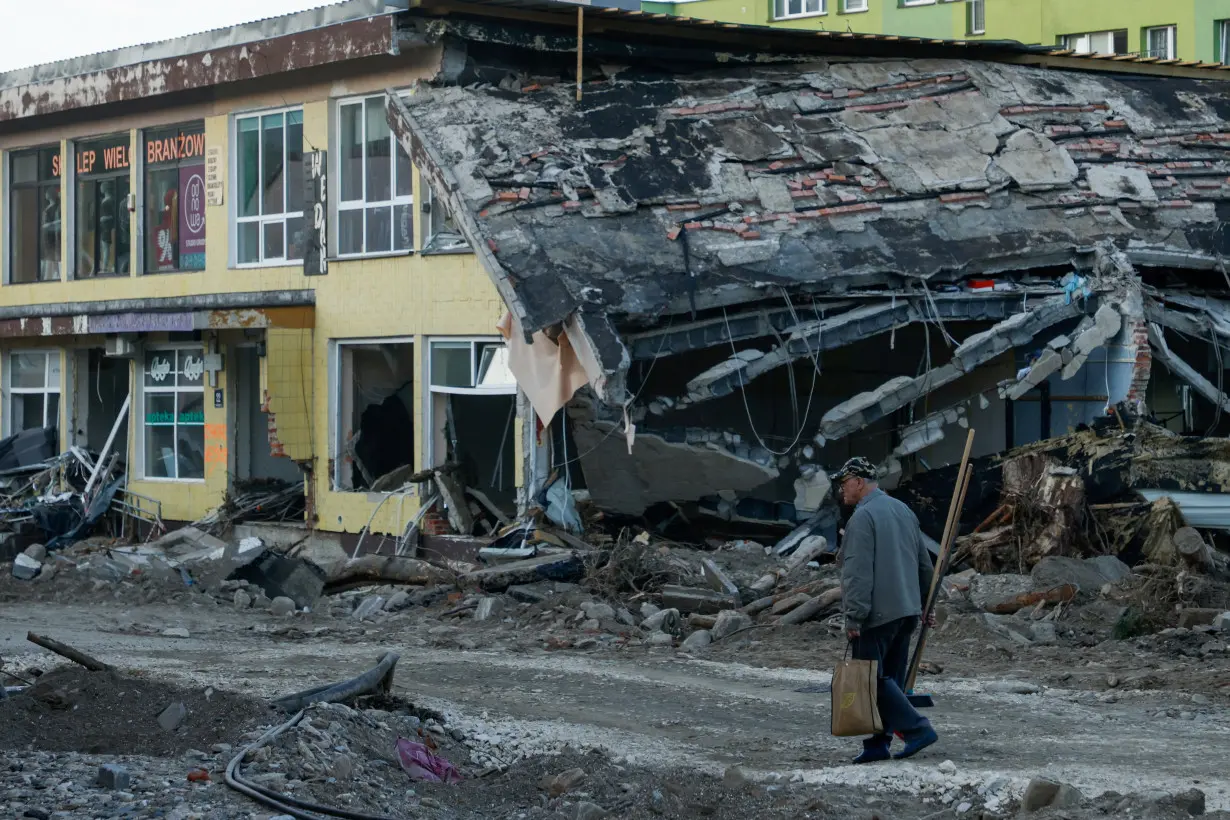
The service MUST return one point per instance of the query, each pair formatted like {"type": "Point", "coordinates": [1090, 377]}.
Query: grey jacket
{"type": "Point", "coordinates": [886, 568]}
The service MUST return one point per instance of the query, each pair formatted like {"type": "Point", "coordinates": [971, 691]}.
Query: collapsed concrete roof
{"type": "Point", "coordinates": [671, 189]}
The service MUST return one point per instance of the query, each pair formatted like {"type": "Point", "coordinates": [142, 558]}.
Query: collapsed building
{"type": "Point", "coordinates": [733, 261]}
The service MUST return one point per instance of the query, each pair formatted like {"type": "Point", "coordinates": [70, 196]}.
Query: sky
{"type": "Point", "coordinates": [44, 31]}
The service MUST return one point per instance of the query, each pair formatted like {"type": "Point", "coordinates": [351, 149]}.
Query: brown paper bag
{"type": "Point", "coordinates": [856, 709]}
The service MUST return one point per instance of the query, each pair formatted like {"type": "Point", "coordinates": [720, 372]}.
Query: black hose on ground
{"type": "Point", "coordinates": [293, 806]}
{"type": "Point", "coordinates": [379, 677]}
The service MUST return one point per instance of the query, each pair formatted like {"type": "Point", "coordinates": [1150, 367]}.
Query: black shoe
{"type": "Point", "coordinates": [924, 739]}
{"type": "Point", "coordinates": [873, 755]}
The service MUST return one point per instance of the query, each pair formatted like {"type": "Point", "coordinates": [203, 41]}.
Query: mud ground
{"type": "Point", "coordinates": [1145, 717]}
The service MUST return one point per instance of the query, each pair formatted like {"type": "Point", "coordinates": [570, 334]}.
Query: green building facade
{"type": "Point", "coordinates": [1176, 30]}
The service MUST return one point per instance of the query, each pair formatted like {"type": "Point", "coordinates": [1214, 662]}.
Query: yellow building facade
{"type": "Point", "coordinates": [156, 223]}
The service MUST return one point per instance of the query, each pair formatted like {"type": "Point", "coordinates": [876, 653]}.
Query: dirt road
{"type": "Point", "coordinates": [658, 708]}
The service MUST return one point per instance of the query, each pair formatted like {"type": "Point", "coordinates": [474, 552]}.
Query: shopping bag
{"type": "Point", "coordinates": [856, 710]}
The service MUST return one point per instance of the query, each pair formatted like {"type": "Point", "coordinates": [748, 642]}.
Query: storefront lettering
{"type": "Point", "coordinates": [115, 158]}
{"type": "Point", "coordinates": [171, 149]}
{"type": "Point", "coordinates": [169, 418]}
{"type": "Point", "coordinates": [55, 165]}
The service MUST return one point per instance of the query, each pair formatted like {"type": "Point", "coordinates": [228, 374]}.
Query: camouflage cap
{"type": "Point", "coordinates": [857, 467]}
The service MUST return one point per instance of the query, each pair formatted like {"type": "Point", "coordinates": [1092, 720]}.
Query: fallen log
{"type": "Point", "coordinates": [698, 621]}
{"type": "Point", "coordinates": [1192, 548]}
{"type": "Point", "coordinates": [66, 651]}
{"type": "Point", "coordinates": [1058, 595]}
{"type": "Point", "coordinates": [386, 569]}
{"type": "Point", "coordinates": [805, 612]}
{"type": "Point", "coordinates": [759, 605]}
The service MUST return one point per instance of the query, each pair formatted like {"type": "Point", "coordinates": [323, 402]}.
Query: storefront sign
{"type": "Point", "coordinates": [192, 217]}
{"type": "Point", "coordinates": [175, 148]}
{"type": "Point", "coordinates": [213, 176]}
{"type": "Point", "coordinates": [218, 399]}
{"type": "Point", "coordinates": [104, 156]}
{"type": "Point", "coordinates": [140, 322]}
{"type": "Point", "coordinates": [315, 193]}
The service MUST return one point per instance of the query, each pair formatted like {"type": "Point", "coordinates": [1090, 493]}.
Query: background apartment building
{"type": "Point", "coordinates": [217, 241]}
{"type": "Point", "coordinates": [1185, 30]}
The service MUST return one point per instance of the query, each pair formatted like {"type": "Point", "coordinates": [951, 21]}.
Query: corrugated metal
{"type": "Point", "coordinates": [1207, 511]}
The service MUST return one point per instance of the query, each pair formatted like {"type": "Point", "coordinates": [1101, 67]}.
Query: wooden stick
{"type": "Point", "coordinates": [66, 651]}
{"type": "Point", "coordinates": [954, 512]}
{"type": "Point", "coordinates": [580, 46]}
{"type": "Point", "coordinates": [941, 566]}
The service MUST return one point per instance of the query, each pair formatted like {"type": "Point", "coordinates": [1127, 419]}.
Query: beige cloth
{"type": "Point", "coordinates": [548, 373]}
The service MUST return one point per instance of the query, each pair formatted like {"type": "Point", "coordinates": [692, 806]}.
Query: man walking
{"type": "Point", "coordinates": [885, 578]}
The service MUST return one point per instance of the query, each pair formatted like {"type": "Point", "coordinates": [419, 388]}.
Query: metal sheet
{"type": "Point", "coordinates": [1206, 511]}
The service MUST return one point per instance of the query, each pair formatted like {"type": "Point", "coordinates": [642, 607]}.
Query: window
{"type": "Point", "coordinates": [1159, 42]}
{"type": "Point", "coordinates": [1223, 42]}
{"type": "Point", "coordinates": [175, 199]}
{"type": "Point", "coordinates": [103, 246]}
{"type": "Point", "coordinates": [785, 9]}
{"type": "Point", "coordinates": [375, 209]}
{"type": "Point", "coordinates": [33, 382]}
{"type": "Point", "coordinates": [471, 411]}
{"type": "Point", "coordinates": [976, 16]}
{"type": "Point", "coordinates": [35, 221]}
{"type": "Point", "coordinates": [852, 6]}
{"type": "Point", "coordinates": [1097, 42]}
{"type": "Point", "coordinates": [269, 193]}
{"type": "Point", "coordinates": [173, 390]}
{"type": "Point", "coordinates": [375, 401]}
{"type": "Point", "coordinates": [918, 2]}
{"type": "Point", "coordinates": [441, 232]}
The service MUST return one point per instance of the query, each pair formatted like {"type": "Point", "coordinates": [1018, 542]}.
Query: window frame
{"type": "Point", "coordinates": [847, 9]}
{"type": "Point", "coordinates": [974, 9]}
{"type": "Point", "coordinates": [77, 200]}
{"type": "Point", "coordinates": [46, 390]}
{"type": "Point", "coordinates": [143, 390]}
{"type": "Point", "coordinates": [338, 205]}
{"type": "Point", "coordinates": [144, 168]}
{"type": "Point", "coordinates": [784, 5]}
{"type": "Point", "coordinates": [428, 229]}
{"type": "Point", "coordinates": [908, 3]}
{"type": "Point", "coordinates": [431, 389]}
{"type": "Point", "coordinates": [1171, 40]}
{"type": "Point", "coordinates": [262, 219]}
{"type": "Point", "coordinates": [1223, 44]}
{"type": "Point", "coordinates": [337, 389]}
{"type": "Point", "coordinates": [10, 188]}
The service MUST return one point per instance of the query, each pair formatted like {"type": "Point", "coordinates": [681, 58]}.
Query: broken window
{"type": "Point", "coordinates": [103, 245]}
{"type": "Point", "coordinates": [785, 9]}
{"type": "Point", "coordinates": [175, 199]}
{"type": "Point", "coordinates": [32, 382]}
{"type": "Point", "coordinates": [269, 190]}
{"type": "Point", "coordinates": [174, 413]}
{"type": "Point", "coordinates": [440, 231]}
{"type": "Point", "coordinates": [34, 227]}
{"type": "Point", "coordinates": [375, 428]}
{"type": "Point", "coordinates": [376, 206]}
{"type": "Point", "coordinates": [471, 412]}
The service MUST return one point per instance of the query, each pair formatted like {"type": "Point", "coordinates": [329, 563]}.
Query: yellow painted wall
{"type": "Point", "coordinates": [402, 296]}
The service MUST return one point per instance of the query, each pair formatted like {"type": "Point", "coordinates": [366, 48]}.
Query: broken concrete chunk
{"type": "Point", "coordinates": [1036, 163]}
{"type": "Point", "coordinates": [697, 641]}
{"type": "Point", "coordinates": [811, 490]}
{"type": "Point", "coordinates": [749, 140]}
{"type": "Point", "coordinates": [1044, 794]}
{"type": "Point", "coordinates": [690, 599]}
{"type": "Point", "coordinates": [1116, 182]}
{"type": "Point", "coordinates": [113, 777]}
{"type": "Point", "coordinates": [717, 579]}
{"type": "Point", "coordinates": [278, 576]}
{"type": "Point", "coordinates": [1088, 575]}
{"type": "Point", "coordinates": [173, 717]}
{"type": "Point", "coordinates": [281, 606]}
{"type": "Point", "coordinates": [664, 620]}
{"type": "Point", "coordinates": [774, 194]}
{"type": "Point", "coordinates": [808, 550]}
{"type": "Point", "coordinates": [728, 623]}
{"type": "Point", "coordinates": [368, 608]}
{"type": "Point", "coordinates": [598, 610]}
{"type": "Point", "coordinates": [26, 568]}
{"type": "Point", "coordinates": [489, 609]}
{"type": "Point", "coordinates": [36, 551]}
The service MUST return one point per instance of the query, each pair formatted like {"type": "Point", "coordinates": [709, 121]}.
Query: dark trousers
{"type": "Point", "coordinates": [889, 645]}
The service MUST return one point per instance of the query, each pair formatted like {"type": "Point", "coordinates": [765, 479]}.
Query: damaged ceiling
{"type": "Point", "coordinates": [669, 190]}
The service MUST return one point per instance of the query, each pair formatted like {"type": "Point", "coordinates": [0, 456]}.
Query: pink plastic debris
{"type": "Point", "coordinates": [422, 764]}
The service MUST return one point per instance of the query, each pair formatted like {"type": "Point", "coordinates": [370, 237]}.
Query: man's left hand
{"type": "Point", "coordinates": [852, 634]}
{"type": "Point", "coordinates": [931, 619]}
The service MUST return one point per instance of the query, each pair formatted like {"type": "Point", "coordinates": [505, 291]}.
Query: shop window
{"type": "Point", "coordinates": [101, 207]}
{"type": "Point", "coordinates": [173, 391]}
{"type": "Point", "coordinates": [34, 223]}
{"type": "Point", "coordinates": [376, 414]}
{"type": "Point", "coordinates": [174, 200]}
{"type": "Point", "coordinates": [440, 231]}
{"type": "Point", "coordinates": [269, 187]}
{"type": "Point", "coordinates": [375, 207]}
{"type": "Point", "coordinates": [32, 379]}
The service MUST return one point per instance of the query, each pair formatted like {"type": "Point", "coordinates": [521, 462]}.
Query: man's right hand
{"type": "Point", "coordinates": [852, 634]}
